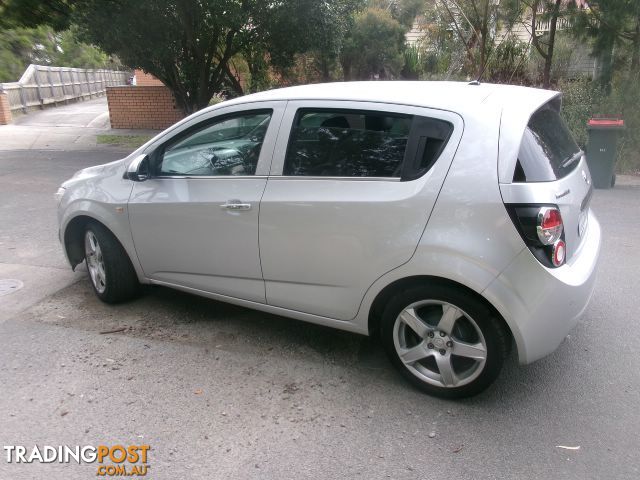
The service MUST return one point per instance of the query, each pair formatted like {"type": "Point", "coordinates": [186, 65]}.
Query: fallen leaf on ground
{"type": "Point", "coordinates": [458, 449]}
{"type": "Point", "coordinates": [198, 391]}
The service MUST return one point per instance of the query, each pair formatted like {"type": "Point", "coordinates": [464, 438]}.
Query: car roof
{"type": "Point", "coordinates": [459, 97]}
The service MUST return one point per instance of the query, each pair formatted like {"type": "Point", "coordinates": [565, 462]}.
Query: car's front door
{"type": "Point", "coordinates": [352, 187]}
{"type": "Point", "coordinates": [195, 220]}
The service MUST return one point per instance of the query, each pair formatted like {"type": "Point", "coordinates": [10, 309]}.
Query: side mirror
{"type": "Point", "coordinates": [138, 169]}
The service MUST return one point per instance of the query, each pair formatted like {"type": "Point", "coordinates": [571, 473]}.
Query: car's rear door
{"type": "Point", "coordinates": [350, 192]}
{"type": "Point", "coordinates": [195, 221]}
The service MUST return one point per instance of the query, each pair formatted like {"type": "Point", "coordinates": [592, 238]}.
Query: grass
{"type": "Point", "coordinates": [133, 141]}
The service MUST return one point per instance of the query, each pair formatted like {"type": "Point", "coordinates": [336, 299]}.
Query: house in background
{"type": "Point", "coordinates": [579, 64]}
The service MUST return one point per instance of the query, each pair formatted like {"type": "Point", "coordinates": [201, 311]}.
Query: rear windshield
{"type": "Point", "coordinates": [548, 151]}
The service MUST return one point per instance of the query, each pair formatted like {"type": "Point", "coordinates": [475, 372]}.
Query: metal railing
{"type": "Point", "coordinates": [545, 25]}
{"type": "Point", "coordinates": [42, 85]}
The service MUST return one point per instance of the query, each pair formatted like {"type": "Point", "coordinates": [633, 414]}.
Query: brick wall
{"type": "Point", "coordinates": [152, 107]}
{"type": "Point", "coordinates": [144, 79]}
{"type": "Point", "coordinates": [5, 109]}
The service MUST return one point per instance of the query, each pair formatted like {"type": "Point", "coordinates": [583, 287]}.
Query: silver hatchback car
{"type": "Point", "coordinates": [451, 219]}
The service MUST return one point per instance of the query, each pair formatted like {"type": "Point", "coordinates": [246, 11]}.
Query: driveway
{"type": "Point", "coordinates": [221, 392]}
{"type": "Point", "coordinates": [62, 128]}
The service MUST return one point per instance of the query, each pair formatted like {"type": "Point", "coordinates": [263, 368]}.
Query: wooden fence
{"type": "Point", "coordinates": [42, 85]}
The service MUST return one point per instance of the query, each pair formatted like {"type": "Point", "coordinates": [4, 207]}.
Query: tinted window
{"type": "Point", "coordinates": [343, 143]}
{"type": "Point", "coordinates": [228, 146]}
{"type": "Point", "coordinates": [428, 138]}
{"type": "Point", "coordinates": [547, 149]}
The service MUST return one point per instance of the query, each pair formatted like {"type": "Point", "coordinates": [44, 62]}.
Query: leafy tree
{"type": "Point", "coordinates": [328, 34]}
{"type": "Point", "coordinates": [71, 52]}
{"type": "Point", "coordinates": [473, 23]}
{"type": "Point", "coordinates": [507, 62]}
{"type": "Point", "coordinates": [612, 23]}
{"type": "Point", "coordinates": [18, 48]}
{"type": "Point", "coordinates": [21, 46]}
{"type": "Point", "coordinates": [198, 48]}
{"type": "Point", "coordinates": [190, 44]}
{"type": "Point", "coordinates": [404, 11]}
{"type": "Point", "coordinates": [34, 13]}
{"type": "Point", "coordinates": [291, 28]}
{"type": "Point", "coordinates": [551, 12]}
{"type": "Point", "coordinates": [374, 47]}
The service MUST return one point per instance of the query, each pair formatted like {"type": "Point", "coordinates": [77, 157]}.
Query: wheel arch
{"type": "Point", "coordinates": [382, 298]}
{"type": "Point", "coordinates": [73, 241]}
{"type": "Point", "coordinates": [73, 237]}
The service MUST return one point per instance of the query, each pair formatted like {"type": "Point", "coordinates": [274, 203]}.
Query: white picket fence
{"type": "Point", "coordinates": [42, 85]}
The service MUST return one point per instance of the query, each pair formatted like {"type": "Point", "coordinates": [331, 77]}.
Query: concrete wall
{"type": "Point", "coordinates": [150, 107]}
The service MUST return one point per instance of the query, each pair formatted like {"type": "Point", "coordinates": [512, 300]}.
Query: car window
{"type": "Point", "coordinates": [228, 146]}
{"type": "Point", "coordinates": [344, 143]}
{"type": "Point", "coordinates": [548, 150]}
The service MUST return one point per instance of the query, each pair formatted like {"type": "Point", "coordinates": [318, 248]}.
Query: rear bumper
{"type": "Point", "coordinates": [542, 305]}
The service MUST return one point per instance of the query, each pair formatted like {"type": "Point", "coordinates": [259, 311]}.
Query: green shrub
{"type": "Point", "coordinates": [507, 64]}
{"type": "Point", "coordinates": [412, 63]}
{"type": "Point", "coordinates": [215, 100]}
{"type": "Point", "coordinates": [579, 99]}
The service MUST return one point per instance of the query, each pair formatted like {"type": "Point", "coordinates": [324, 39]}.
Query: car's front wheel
{"type": "Point", "coordinates": [444, 340]}
{"type": "Point", "coordinates": [112, 276]}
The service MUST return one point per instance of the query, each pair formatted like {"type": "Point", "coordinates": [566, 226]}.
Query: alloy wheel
{"type": "Point", "coordinates": [439, 343]}
{"type": "Point", "coordinates": [95, 261]}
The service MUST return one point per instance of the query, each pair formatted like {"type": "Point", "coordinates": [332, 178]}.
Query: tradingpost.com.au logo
{"type": "Point", "coordinates": [112, 461]}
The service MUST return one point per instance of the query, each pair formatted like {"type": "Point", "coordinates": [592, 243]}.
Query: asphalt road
{"type": "Point", "coordinates": [222, 392]}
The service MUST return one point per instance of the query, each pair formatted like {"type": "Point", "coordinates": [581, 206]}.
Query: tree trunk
{"type": "Point", "coordinates": [635, 54]}
{"type": "Point", "coordinates": [606, 63]}
{"type": "Point", "coordinates": [182, 100]}
{"type": "Point", "coordinates": [325, 71]}
{"type": "Point", "coordinates": [546, 72]}
{"type": "Point", "coordinates": [548, 61]}
{"type": "Point", "coordinates": [234, 82]}
{"type": "Point", "coordinates": [484, 33]}
{"type": "Point", "coordinates": [346, 70]}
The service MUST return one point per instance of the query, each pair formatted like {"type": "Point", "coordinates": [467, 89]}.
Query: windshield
{"type": "Point", "coordinates": [548, 151]}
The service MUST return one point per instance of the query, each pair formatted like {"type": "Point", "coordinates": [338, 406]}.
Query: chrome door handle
{"type": "Point", "coordinates": [235, 205]}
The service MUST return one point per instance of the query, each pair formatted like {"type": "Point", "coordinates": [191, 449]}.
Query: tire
{"type": "Point", "coordinates": [111, 273]}
{"type": "Point", "coordinates": [445, 341]}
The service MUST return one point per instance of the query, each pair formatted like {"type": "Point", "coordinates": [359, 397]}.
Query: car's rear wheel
{"type": "Point", "coordinates": [112, 276]}
{"type": "Point", "coordinates": [443, 340]}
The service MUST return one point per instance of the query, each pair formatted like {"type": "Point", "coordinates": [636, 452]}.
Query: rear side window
{"type": "Point", "coordinates": [548, 151]}
{"type": "Point", "coordinates": [353, 143]}
{"type": "Point", "coordinates": [347, 144]}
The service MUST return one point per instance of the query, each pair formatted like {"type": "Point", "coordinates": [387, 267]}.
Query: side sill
{"type": "Point", "coordinates": [305, 317]}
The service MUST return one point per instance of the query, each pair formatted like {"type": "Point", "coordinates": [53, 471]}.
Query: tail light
{"type": "Point", "coordinates": [559, 253]}
{"type": "Point", "coordinates": [542, 229]}
{"type": "Point", "coordinates": [549, 227]}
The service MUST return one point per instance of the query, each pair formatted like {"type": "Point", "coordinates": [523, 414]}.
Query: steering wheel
{"type": "Point", "coordinates": [231, 158]}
